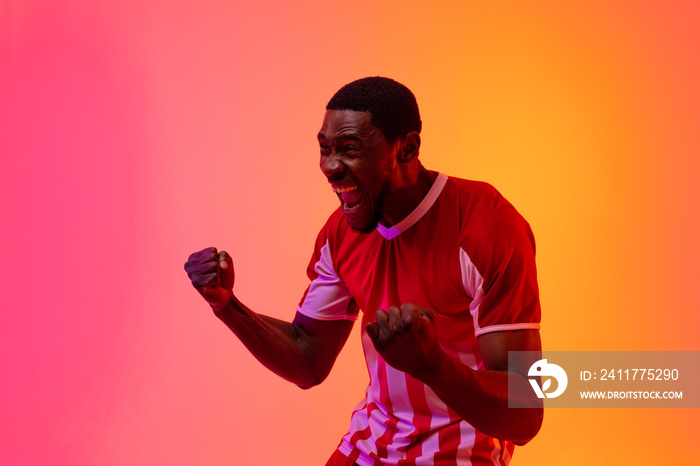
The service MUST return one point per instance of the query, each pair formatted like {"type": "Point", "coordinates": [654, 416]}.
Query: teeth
{"type": "Point", "coordinates": [343, 189]}
{"type": "Point", "coordinates": [350, 208]}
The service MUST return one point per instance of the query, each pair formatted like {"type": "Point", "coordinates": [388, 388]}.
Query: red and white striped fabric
{"type": "Point", "coordinates": [465, 253]}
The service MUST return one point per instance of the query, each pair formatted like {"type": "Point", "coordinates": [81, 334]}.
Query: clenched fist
{"type": "Point", "coordinates": [211, 273]}
{"type": "Point", "coordinates": [406, 338]}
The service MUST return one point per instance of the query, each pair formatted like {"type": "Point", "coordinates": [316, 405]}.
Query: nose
{"type": "Point", "coordinates": [332, 167]}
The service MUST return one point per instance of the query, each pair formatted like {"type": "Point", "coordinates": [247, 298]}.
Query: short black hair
{"type": "Point", "coordinates": [392, 105]}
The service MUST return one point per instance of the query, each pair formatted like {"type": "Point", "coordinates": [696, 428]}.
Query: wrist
{"type": "Point", "coordinates": [223, 306]}
{"type": "Point", "coordinates": [432, 371]}
{"type": "Point", "coordinates": [443, 371]}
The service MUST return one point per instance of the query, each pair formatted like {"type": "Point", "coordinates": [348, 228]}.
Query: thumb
{"type": "Point", "coordinates": [373, 332]}
{"type": "Point", "coordinates": [226, 274]}
{"type": "Point", "coordinates": [224, 260]}
{"type": "Point", "coordinates": [427, 314]}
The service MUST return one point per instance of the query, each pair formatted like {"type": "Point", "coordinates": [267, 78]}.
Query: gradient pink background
{"type": "Point", "coordinates": [134, 133]}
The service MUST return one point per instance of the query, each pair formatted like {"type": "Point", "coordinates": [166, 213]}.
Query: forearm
{"type": "Point", "coordinates": [480, 397]}
{"type": "Point", "coordinates": [280, 346]}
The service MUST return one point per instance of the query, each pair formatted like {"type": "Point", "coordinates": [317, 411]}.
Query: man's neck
{"type": "Point", "coordinates": [399, 203]}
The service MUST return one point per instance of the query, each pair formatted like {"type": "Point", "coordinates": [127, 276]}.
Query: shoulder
{"type": "Point", "coordinates": [335, 232]}
{"type": "Point", "coordinates": [477, 204]}
{"type": "Point", "coordinates": [485, 215]}
{"type": "Point", "coordinates": [336, 226]}
{"type": "Point", "coordinates": [478, 193]}
{"type": "Point", "coordinates": [325, 241]}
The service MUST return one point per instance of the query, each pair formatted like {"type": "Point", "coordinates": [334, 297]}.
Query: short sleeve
{"type": "Point", "coordinates": [497, 258]}
{"type": "Point", "coordinates": [327, 297]}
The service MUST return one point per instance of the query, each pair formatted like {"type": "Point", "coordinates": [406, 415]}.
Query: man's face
{"type": "Point", "coordinates": [359, 163]}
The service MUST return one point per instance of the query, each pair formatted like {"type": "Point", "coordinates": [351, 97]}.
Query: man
{"type": "Point", "coordinates": [444, 272]}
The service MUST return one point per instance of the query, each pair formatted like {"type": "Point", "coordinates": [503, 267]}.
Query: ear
{"type": "Point", "coordinates": [410, 146]}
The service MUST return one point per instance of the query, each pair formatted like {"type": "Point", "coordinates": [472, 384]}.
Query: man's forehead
{"type": "Point", "coordinates": [340, 122]}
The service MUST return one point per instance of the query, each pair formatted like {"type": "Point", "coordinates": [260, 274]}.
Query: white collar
{"type": "Point", "coordinates": [412, 218]}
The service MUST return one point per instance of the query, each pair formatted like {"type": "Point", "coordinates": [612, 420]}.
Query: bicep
{"type": "Point", "coordinates": [323, 340]}
{"type": "Point", "coordinates": [494, 346]}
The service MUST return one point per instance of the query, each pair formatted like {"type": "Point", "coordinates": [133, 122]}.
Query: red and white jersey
{"type": "Point", "coordinates": [465, 253]}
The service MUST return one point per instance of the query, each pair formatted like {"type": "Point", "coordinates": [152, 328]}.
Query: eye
{"type": "Point", "coordinates": [349, 148]}
{"type": "Point", "coordinates": [325, 149]}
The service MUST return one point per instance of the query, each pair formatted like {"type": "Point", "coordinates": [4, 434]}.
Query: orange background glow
{"type": "Point", "coordinates": [134, 133]}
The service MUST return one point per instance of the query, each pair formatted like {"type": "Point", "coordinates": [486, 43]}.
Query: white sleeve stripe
{"type": "Point", "coordinates": [507, 327]}
{"type": "Point", "coordinates": [318, 316]}
{"type": "Point", "coordinates": [328, 297]}
{"type": "Point", "coordinates": [473, 286]}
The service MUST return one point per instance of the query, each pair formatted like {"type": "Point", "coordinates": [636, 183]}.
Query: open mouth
{"type": "Point", "coordinates": [350, 197]}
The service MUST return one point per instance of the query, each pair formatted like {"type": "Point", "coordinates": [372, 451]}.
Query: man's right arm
{"type": "Point", "coordinates": [302, 352]}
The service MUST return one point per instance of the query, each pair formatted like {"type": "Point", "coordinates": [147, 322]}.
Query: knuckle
{"type": "Point", "coordinates": [408, 307]}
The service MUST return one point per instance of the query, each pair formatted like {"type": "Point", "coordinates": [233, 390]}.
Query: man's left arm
{"type": "Point", "coordinates": [406, 338]}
